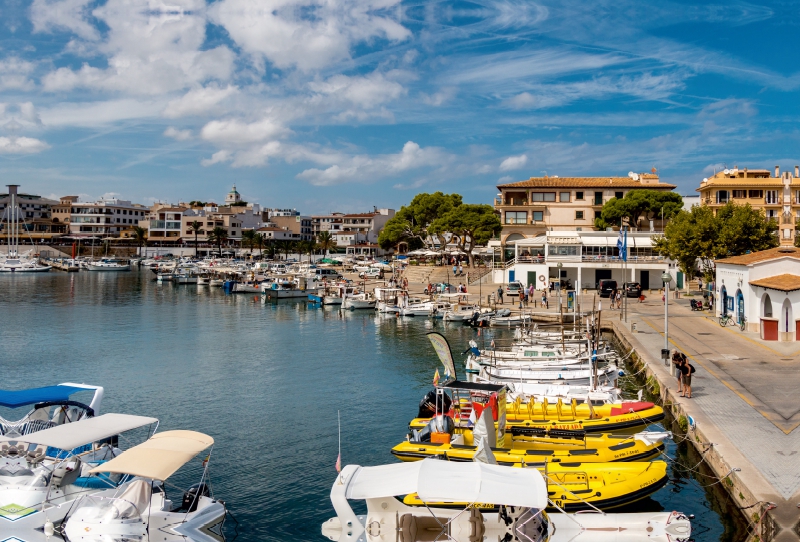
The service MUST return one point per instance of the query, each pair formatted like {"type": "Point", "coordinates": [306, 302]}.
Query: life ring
{"type": "Point", "coordinates": [541, 278]}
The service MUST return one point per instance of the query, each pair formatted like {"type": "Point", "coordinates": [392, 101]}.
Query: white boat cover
{"type": "Point", "coordinates": [446, 481]}
{"type": "Point", "coordinates": [72, 435]}
{"type": "Point", "coordinates": [158, 457]}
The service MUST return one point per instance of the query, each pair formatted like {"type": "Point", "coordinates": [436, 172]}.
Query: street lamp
{"type": "Point", "coordinates": [666, 278]}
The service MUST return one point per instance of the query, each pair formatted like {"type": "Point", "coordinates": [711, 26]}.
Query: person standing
{"type": "Point", "coordinates": [521, 297]}
{"type": "Point", "coordinates": [460, 270]}
{"type": "Point", "coordinates": [500, 294]}
{"type": "Point", "coordinates": [544, 298]}
{"type": "Point", "coordinates": [611, 299]}
{"type": "Point", "coordinates": [687, 370]}
{"type": "Point", "coordinates": [677, 360]}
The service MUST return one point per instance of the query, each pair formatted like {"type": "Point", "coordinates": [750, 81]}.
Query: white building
{"type": "Point", "coordinates": [583, 258]}
{"type": "Point", "coordinates": [763, 287]}
{"type": "Point", "coordinates": [104, 218]}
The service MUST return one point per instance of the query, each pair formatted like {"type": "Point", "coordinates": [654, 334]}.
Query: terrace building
{"type": "Point", "coordinates": [104, 218]}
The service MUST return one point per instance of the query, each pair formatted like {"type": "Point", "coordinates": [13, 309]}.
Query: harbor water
{"type": "Point", "coordinates": [266, 380]}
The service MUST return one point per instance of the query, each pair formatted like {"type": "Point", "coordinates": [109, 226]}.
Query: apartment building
{"type": "Point", "coordinates": [35, 215]}
{"type": "Point", "coordinates": [777, 195]}
{"type": "Point", "coordinates": [274, 233]}
{"type": "Point", "coordinates": [297, 224]}
{"type": "Point", "coordinates": [331, 223]}
{"type": "Point", "coordinates": [541, 204]}
{"type": "Point", "coordinates": [165, 223]}
{"type": "Point", "coordinates": [104, 218]}
{"type": "Point", "coordinates": [208, 221]}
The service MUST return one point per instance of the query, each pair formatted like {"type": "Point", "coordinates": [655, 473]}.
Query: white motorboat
{"type": "Point", "coordinates": [216, 282]}
{"type": "Point", "coordinates": [42, 473]}
{"type": "Point", "coordinates": [332, 295]}
{"type": "Point", "coordinates": [13, 261]}
{"type": "Point", "coordinates": [287, 288]}
{"type": "Point", "coordinates": [580, 377]}
{"type": "Point", "coordinates": [519, 495]}
{"type": "Point", "coordinates": [420, 308]}
{"type": "Point", "coordinates": [139, 508]}
{"type": "Point", "coordinates": [358, 301]}
{"type": "Point", "coordinates": [53, 406]}
{"type": "Point", "coordinates": [109, 264]}
{"type": "Point", "coordinates": [390, 300]}
{"type": "Point", "coordinates": [203, 280]}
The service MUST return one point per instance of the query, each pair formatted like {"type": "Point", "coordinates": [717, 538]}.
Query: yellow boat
{"type": "Point", "coordinates": [581, 486]}
{"type": "Point", "coordinates": [530, 418]}
{"type": "Point", "coordinates": [554, 447]}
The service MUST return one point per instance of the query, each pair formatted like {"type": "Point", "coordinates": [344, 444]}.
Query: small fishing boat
{"type": "Point", "coordinates": [109, 264]}
{"type": "Point", "coordinates": [362, 300]}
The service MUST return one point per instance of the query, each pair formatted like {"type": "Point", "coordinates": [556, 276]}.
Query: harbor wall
{"type": "Point", "coordinates": [724, 461]}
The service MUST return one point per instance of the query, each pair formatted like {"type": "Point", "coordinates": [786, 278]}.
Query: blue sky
{"type": "Point", "coordinates": [331, 105]}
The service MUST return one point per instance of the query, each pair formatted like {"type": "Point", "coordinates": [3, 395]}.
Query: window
{"type": "Point", "coordinates": [737, 194]}
{"type": "Point", "coordinates": [579, 195]}
{"type": "Point", "coordinates": [598, 214]}
{"type": "Point", "coordinates": [771, 196]}
{"type": "Point", "coordinates": [756, 194]}
{"type": "Point", "coordinates": [538, 216]}
{"type": "Point", "coordinates": [578, 215]}
{"type": "Point", "coordinates": [563, 197]}
{"type": "Point", "coordinates": [556, 250]}
{"type": "Point", "coordinates": [619, 195]}
{"type": "Point", "coordinates": [543, 196]}
{"type": "Point", "coordinates": [722, 196]}
{"type": "Point", "coordinates": [516, 217]}
{"type": "Point", "coordinates": [772, 213]}
{"type": "Point", "coordinates": [598, 198]}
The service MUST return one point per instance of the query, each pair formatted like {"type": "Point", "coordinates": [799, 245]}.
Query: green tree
{"type": "Point", "coordinates": [272, 249]}
{"type": "Point", "coordinates": [470, 224]}
{"type": "Point", "coordinates": [217, 236]}
{"type": "Point", "coordinates": [325, 242]}
{"type": "Point", "coordinates": [698, 237]}
{"type": "Point", "coordinates": [196, 228]}
{"type": "Point", "coordinates": [286, 248]}
{"type": "Point", "coordinates": [411, 222]}
{"type": "Point", "coordinates": [249, 240]}
{"type": "Point", "coordinates": [259, 240]}
{"type": "Point", "coordinates": [140, 236]}
{"type": "Point", "coordinates": [639, 206]}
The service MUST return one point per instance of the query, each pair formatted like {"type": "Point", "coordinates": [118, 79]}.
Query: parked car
{"type": "Point", "coordinates": [606, 286]}
{"type": "Point", "coordinates": [371, 273]}
{"type": "Point", "coordinates": [513, 288]}
{"type": "Point", "coordinates": [633, 289]}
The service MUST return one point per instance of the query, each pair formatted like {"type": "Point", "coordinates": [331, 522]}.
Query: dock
{"type": "Point", "coordinates": [60, 265]}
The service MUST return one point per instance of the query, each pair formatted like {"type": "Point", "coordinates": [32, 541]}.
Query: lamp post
{"type": "Point", "coordinates": [666, 278]}
{"type": "Point", "coordinates": [559, 265]}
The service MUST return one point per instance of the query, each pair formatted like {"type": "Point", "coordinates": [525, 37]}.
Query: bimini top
{"type": "Point", "coordinates": [447, 481]}
{"type": "Point", "coordinates": [18, 398]}
{"type": "Point", "coordinates": [160, 456]}
{"type": "Point", "coordinates": [71, 435]}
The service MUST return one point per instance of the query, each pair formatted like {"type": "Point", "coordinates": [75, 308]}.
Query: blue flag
{"type": "Point", "coordinates": [622, 245]}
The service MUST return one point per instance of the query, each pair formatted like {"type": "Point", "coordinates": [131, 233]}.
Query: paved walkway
{"type": "Point", "coordinates": [745, 386]}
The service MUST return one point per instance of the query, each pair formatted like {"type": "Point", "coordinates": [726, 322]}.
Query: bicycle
{"type": "Point", "coordinates": [726, 319]}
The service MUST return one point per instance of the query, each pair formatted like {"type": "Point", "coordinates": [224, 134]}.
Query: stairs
{"type": "Point", "coordinates": [423, 274]}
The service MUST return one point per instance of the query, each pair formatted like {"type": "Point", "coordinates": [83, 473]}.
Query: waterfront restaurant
{"type": "Point", "coordinates": [764, 288]}
{"type": "Point", "coordinates": [583, 258]}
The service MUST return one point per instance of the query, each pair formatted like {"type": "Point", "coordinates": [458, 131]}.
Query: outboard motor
{"type": "Point", "coordinates": [439, 424]}
{"type": "Point", "coordinates": [427, 406]}
{"type": "Point", "coordinates": [192, 497]}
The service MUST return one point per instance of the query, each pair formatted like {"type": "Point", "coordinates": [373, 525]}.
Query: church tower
{"type": "Point", "coordinates": [233, 196]}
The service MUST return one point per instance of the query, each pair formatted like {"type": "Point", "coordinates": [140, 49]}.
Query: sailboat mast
{"type": "Point", "coordinates": [13, 233]}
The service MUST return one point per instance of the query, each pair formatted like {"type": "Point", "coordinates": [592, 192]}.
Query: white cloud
{"type": "Point", "coordinates": [361, 168]}
{"type": "Point", "coordinates": [368, 92]}
{"type": "Point", "coordinates": [180, 135]}
{"type": "Point", "coordinates": [505, 179]}
{"type": "Point", "coordinates": [70, 15]}
{"type": "Point", "coordinates": [99, 113]}
{"type": "Point", "coordinates": [514, 162]}
{"type": "Point", "coordinates": [233, 131]}
{"type": "Point", "coordinates": [22, 145]}
{"type": "Point", "coordinates": [216, 158]}
{"type": "Point", "coordinates": [439, 98]}
{"type": "Point", "coordinates": [15, 74]}
{"type": "Point", "coordinates": [523, 100]}
{"type": "Point", "coordinates": [306, 34]}
{"type": "Point", "coordinates": [198, 101]}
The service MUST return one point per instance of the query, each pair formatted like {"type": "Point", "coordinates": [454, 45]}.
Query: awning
{"type": "Point", "coordinates": [446, 481]}
{"type": "Point", "coordinates": [18, 398]}
{"type": "Point", "coordinates": [537, 241]}
{"type": "Point", "coordinates": [71, 435]}
{"type": "Point", "coordinates": [555, 240]}
{"type": "Point", "coordinates": [160, 456]}
{"type": "Point", "coordinates": [601, 241]}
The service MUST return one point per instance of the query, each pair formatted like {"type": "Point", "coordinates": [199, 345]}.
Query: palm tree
{"type": "Point", "coordinates": [272, 249]}
{"type": "Point", "coordinates": [218, 236]}
{"type": "Point", "coordinates": [196, 228]}
{"type": "Point", "coordinates": [248, 240]}
{"type": "Point", "coordinates": [140, 236]}
{"type": "Point", "coordinates": [259, 240]}
{"type": "Point", "coordinates": [325, 242]}
{"type": "Point", "coordinates": [286, 248]}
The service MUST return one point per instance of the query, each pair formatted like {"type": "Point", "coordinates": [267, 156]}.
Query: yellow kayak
{"type": "Point", "coordinates": [579, 486]}
{"type": "Point", "coordinates": [554, 447]}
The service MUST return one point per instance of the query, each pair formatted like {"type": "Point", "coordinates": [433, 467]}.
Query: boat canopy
{"type": "Point", "coordinates": [71, 435]}
{"type": "Point", "coordinates": [158, 457]}
{"type": "Point", "coordinates": [447, 481]}
{"type": "Point", "coordinates": [18, 398]}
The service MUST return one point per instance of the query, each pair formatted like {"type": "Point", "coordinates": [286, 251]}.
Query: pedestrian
{"type": "Point", "coordinates": [455, 270]}
{"type": "Point", "coordinates": [663, 297]}
{"type": "Point", "coordinates": [677, 360]}
{"type": "Point", "coordinates": [430, 289]}
{"type": "Point", "coordinates": [460, 270]}
{"type": "Point", "coordinates": [611, 298]}
{"type": "Point", "coordinates": [619, 299]}
{"type": "Point", "coordinates": [524, 297]}
{"type": "Point", "coordinates": [544, 298]}
{"type": "Point", "coordinates": [500, 295]}
{"type": "Point", "coordinates": [687, 370]}
{"type": "Point", "coordinates": [521, 297]}
{"type": "Point", "coordinates": [700, 284]}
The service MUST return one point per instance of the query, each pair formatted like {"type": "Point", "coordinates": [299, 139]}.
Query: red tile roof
{"type": "Point", "coordinates": [762, 256]}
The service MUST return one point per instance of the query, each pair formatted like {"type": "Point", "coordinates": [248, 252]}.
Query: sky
{"type": "Point", "coordinates": [342, 105]}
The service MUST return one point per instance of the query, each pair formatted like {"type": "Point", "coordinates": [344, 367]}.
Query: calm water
{"type": "Point", "coordinates": [265, 380]}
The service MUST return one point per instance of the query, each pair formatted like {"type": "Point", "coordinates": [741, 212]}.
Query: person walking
{"type": "Point", "coordinates": [500, 295]}
{"type": "Point", "coordinates": [544, 298]}
{"type": "Point", "coordinates": [460, 270]}
{"type": "Point", "coordinates": [619, 299]}
{"type": "Point", "coordinates": [612, 298]}
{"type": "Point", "coordinates": [687, 370]}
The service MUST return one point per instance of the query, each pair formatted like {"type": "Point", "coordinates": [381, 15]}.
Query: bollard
{"type": "Point", "coordinates": [633, 327]}
{"type": "Point", "coordinates": [665, 356]}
